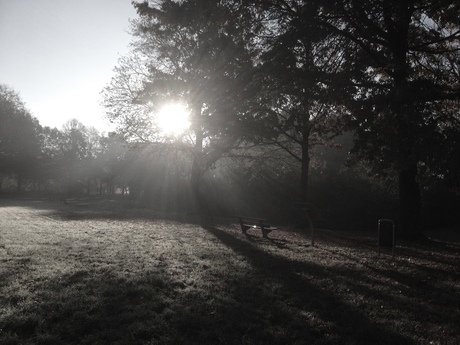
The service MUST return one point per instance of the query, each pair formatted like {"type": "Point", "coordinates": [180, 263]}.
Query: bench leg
{"type": "Point", "coordinates": [265, 232]}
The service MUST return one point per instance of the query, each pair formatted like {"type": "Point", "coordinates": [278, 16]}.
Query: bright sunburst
{"type": "Point", "coordinates": [173, 119]}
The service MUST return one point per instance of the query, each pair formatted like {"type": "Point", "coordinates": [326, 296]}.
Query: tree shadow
{"type": "Point", "coordinates": [346, 324]}
{"type": "Point", "coordinates": [279, 243]}
{"type": "Point", "coordinates": [269, 301]}
{"type": "Point", "coordinates": [419, 277]}
{"type": "Point", "coordinates": [86, 307]}
{"type": "Point", "coordinates": [95, 208]}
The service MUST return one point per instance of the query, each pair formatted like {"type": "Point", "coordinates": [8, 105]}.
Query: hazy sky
{"type": "Point", "coordinates": [59, 54]}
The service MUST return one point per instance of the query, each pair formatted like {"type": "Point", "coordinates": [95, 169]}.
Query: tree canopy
{"type": "Point", "coordinates": [403, 62]}
{"type": "Point", "coordinates": [194, 52]}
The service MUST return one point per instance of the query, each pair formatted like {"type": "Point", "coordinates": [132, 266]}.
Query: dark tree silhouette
{"type": "Point", "coordinates": [403, 63]}
{"type": "Point", "coordinates": [295, 104]}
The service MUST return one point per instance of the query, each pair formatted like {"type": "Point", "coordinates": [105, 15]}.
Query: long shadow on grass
{"type": "Point", "coordinates": [266, 304]}
{"type": "Point", "coordinates": [337, 322]}
{"type": "Point", "coordinates": [89, 207]}
{"type": "Point", "coordinates": [407, 297]}
{"type": "Point", "coordinates": [94, 308]}
{"type": "Point", "coordinates": [89, 307]}
{"type": "Point", "coordinates": [98, 306]}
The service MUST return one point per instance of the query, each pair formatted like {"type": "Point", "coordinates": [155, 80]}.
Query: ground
{"type": "Point", "coordinates": [100, 271]}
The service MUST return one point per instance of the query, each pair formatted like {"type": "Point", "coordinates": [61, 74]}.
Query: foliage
{"type": "Point", "coordinates": [294, 108]}
{"type": "Point", "coordinates": [403, 64]}
{"type": "Point", "coordinates": [181, 54]}
{"type": "Point", "coordinates": [194, 52]}
{"type": "Point", "coordinates": [18, 137]}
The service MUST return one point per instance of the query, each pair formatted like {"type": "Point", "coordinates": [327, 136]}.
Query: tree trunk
{"type": "Point", "coordinates": [409, 204]}
{"type": "Point", "coordinates": [198, 165]}
{"type": "Point", "coordinates": [305, 168]}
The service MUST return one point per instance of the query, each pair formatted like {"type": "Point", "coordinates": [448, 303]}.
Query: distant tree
{"type": "Point", "coordinates": [19, 142]}
{"type": "Point", "coordinates": [50, 159]}
{"type": "Point", "coordinates": [114, 164]}
{"type": "Point", "coordinates": [92, 169]}
{"type": "Point", "coordinates": [79, 147]}
{"type": "Point", "coordinates": [403, 62]}
{"type": "Point", "coordinates": [74, 144]}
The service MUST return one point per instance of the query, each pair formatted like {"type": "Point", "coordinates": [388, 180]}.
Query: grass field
{"type": "Point", "coordinates": [101, 272]}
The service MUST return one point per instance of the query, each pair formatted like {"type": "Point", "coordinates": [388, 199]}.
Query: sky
{"type": "Point", "coordinates": [59, 55]}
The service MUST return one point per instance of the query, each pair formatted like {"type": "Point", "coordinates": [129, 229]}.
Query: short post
{"type": "Point", "coordinates": [386, 234]}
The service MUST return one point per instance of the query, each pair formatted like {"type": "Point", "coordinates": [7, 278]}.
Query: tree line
{"type": "Point", "coordinates": [78, 161]}
{"type": "Point", "coordinates": [36, 158]}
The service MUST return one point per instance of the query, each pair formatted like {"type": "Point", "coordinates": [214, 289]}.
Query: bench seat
{"type": "Point", "coordinates": [247, 223]}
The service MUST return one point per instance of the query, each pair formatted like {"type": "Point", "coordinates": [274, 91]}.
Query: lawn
{"type": "Point", "coordinates": [103, 272]}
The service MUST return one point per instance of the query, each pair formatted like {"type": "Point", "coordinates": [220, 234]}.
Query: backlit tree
{"type": "Point", "coordinates": [403, 62]}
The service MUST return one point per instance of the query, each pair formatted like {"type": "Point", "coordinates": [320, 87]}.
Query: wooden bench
{"type": "Point", "coordinates": [255, 223]}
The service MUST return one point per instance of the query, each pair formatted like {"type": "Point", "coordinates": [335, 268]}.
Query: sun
{"type": "Point", "coordinates": [173, 119]}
